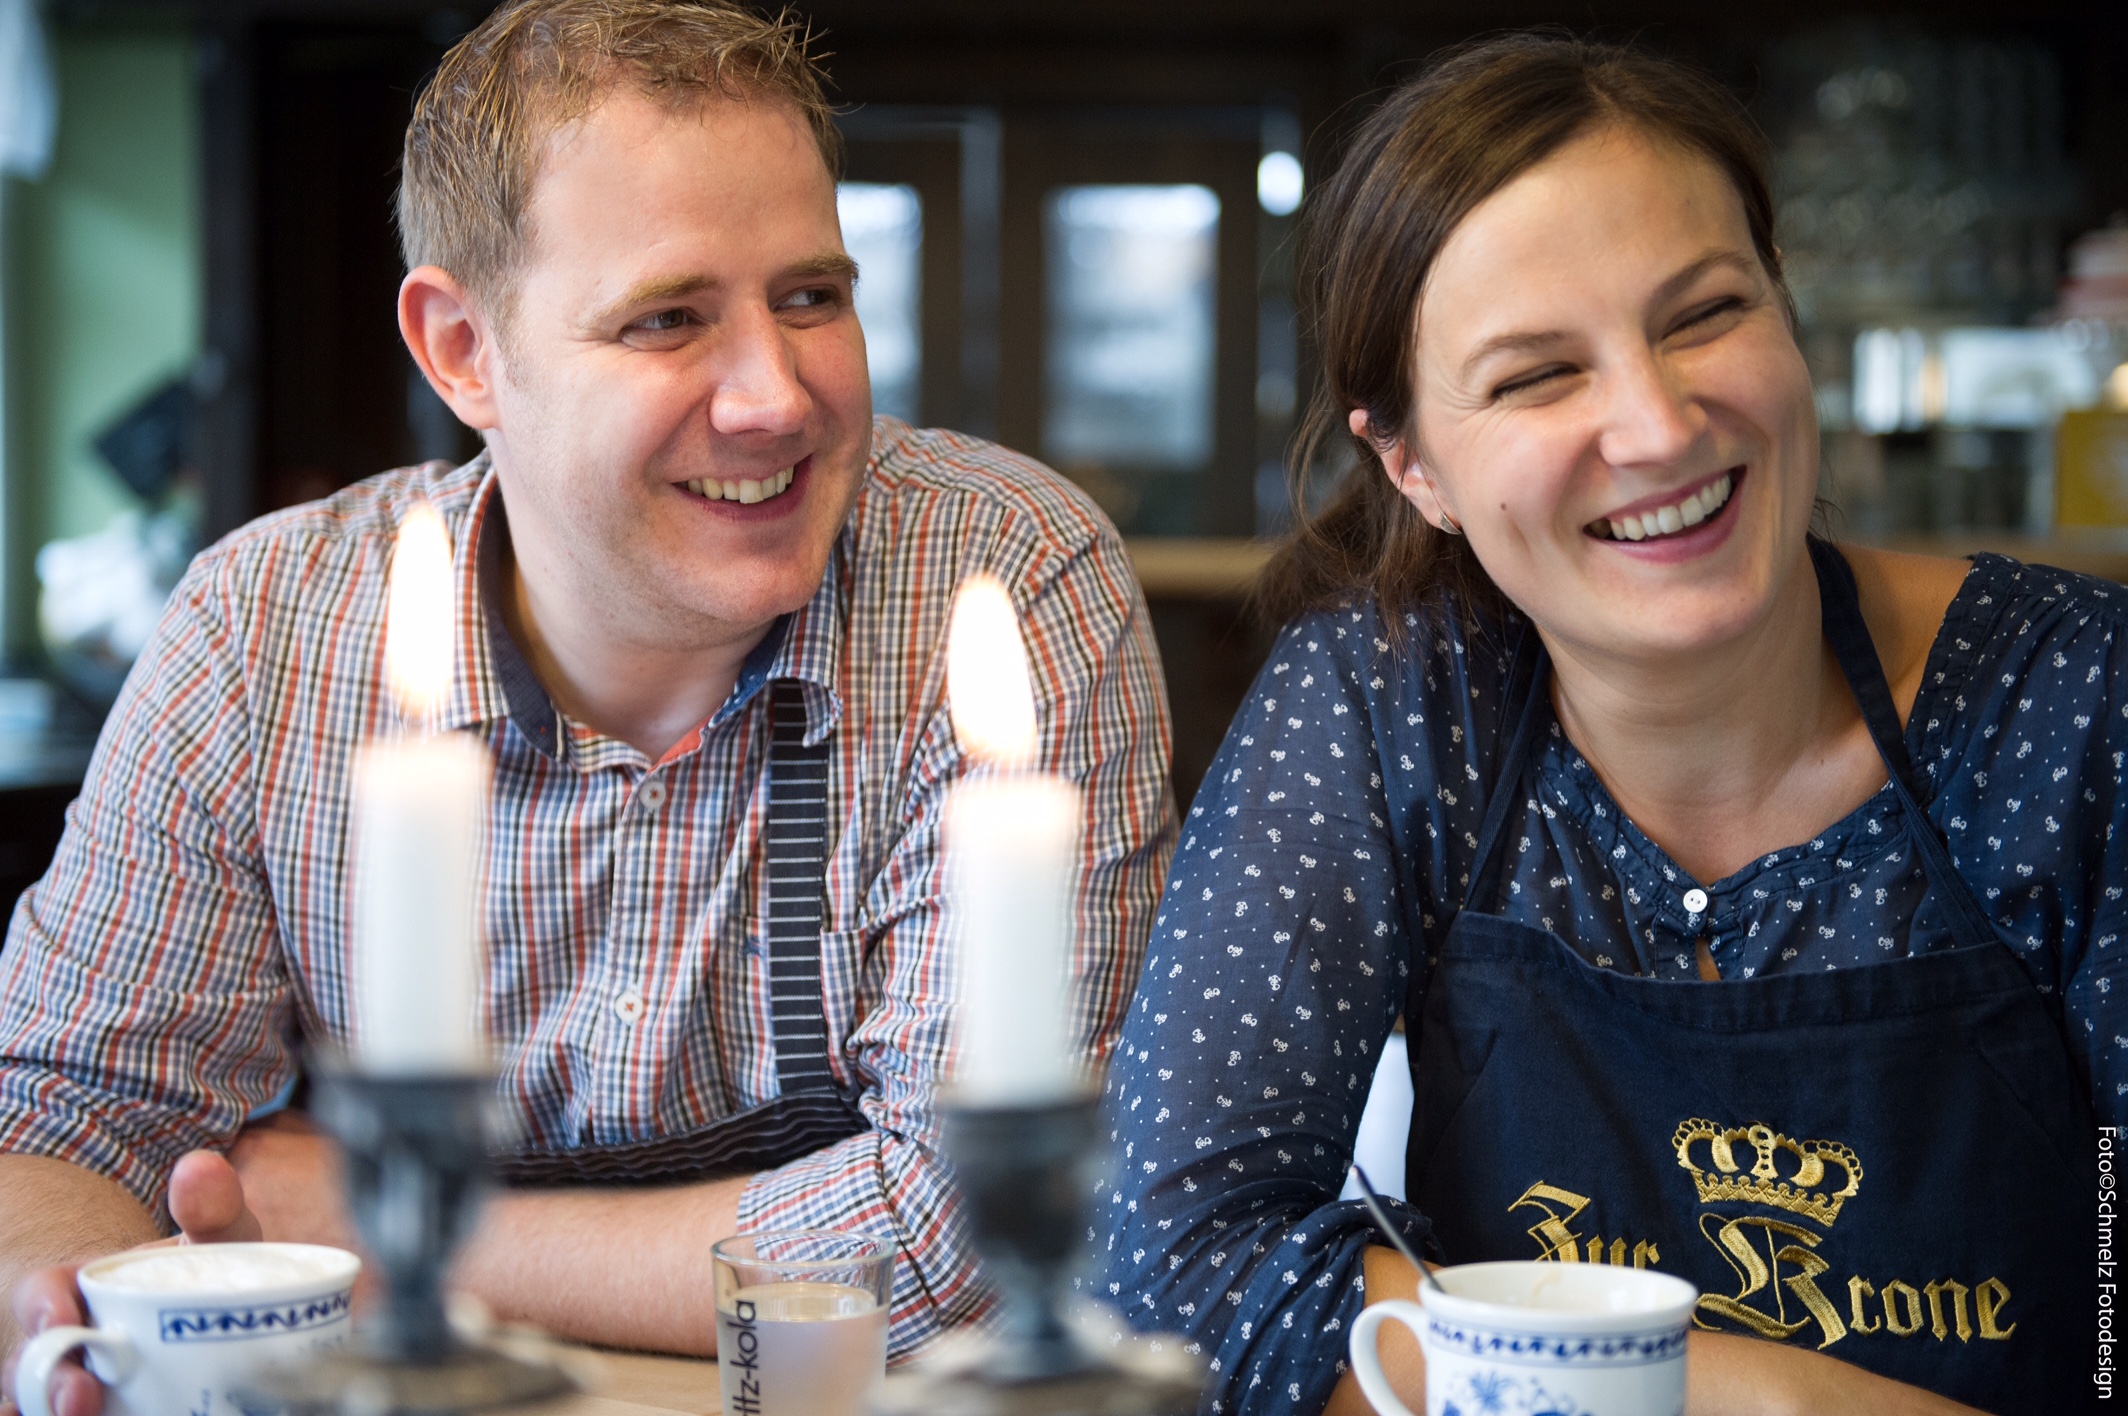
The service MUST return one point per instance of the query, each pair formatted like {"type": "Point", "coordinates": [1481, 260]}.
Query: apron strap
{"type": "Point", "coordinates": [1523, 695]}
{"type": "Point", "coordinates": [809, 1112]}
{"type": "Point", "coordinates": [1848, 634]}
{"type": "Point", "coordinates": [797, 877]}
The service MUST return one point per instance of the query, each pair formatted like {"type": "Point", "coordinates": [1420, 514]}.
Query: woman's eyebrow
{"type": "Point", "coordinates": [1708, 260]}
{"type": "Point", "coordinates": [1512, 343]}
{"type": "Point", "coordinates": [1527, 341]}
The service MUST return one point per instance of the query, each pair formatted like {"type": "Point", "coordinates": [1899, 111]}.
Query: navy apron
{"type": "Point", "coordinates": [809, 1111]}
{"type": "Point", "coordinates": [1893, 1164]}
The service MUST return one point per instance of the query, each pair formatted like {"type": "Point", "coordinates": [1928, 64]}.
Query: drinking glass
{"type": "Point", "coordinates": [801, 1321]}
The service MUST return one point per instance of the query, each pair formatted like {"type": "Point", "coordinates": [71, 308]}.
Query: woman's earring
{"type": "Point", "coordinates": [1450, 525]}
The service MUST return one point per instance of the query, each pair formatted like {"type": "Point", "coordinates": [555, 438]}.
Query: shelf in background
{"type": "Point", "coordinates": [1196, 567]}
{"type": "Point", "coordinates": [1215, 568]}
{"type": "Point", "coordinates": [2103, 553]}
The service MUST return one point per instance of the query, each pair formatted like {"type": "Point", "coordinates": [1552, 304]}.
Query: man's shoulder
{"type": "Point", "coordinates": [346, 534]}
{"type": "Point", "coordinates": [933, 481]}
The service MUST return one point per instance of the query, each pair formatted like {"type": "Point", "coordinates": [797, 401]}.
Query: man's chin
{"type": "Point", "coordinates": [759, 604]}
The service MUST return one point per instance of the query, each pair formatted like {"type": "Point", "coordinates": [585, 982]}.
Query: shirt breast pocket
{"type": "Point", "coordinates": [820, 995]}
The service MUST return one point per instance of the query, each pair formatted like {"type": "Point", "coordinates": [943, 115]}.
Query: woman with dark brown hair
{"type": "Point", "coordinates": [1754, 904]}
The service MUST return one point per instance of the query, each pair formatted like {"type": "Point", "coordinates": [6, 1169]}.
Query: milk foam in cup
{"type": "Point", "coordinates": [182, 1328]}
{"type": "Point", "coordinates": [220, 1268]}
{"type": "Point", "coordinates": [801, 1321]}
{"type": "Point", "coordinates": [1522, 1338]}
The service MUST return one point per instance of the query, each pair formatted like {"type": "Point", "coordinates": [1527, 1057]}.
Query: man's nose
{"type": "Point", "coordinates": [757, 385]}
{"type": "Point", "coordinates": [1650, 418]}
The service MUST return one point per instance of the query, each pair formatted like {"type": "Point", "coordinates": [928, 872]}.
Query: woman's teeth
{"type": "Point", "coordinates": [748, 491]}
{"type": "Point", "coordinates": [1665, 520]}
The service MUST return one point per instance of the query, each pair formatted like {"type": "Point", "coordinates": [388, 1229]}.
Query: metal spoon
{"type": "Point", "coordinates": [1389, 1231]}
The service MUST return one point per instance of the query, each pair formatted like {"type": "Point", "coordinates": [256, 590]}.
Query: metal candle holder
{"type": "Point", "coordinates": [1023, 1174]}
{"type": "Point", "coordinates": [416, 1158]}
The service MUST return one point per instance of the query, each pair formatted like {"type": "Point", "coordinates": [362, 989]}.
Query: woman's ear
{"type": "Point", "coordinates": [1406, 473]}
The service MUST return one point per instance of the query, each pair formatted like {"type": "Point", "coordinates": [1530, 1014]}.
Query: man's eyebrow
{"type": "Point", "coordinates": [1519, 341]}
{"type": "Point", "coordinates": [649, 292]}
{"type": "Point", "coordinates": [828, 264]}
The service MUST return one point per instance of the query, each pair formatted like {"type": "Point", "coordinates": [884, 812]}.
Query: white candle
{"type": "Point", "coordinates": [420, 806]}
{"type": "Point", "coordinates": [417, 956]}
{"type": "Point", "coordinates": [1011, 839]}
{"type": "Point", "coordinates": [1010, 842]}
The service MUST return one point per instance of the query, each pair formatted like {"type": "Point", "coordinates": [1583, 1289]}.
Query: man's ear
{"type": "Point", "coordinates": [452, 343]}
{"type": "Point", "coordinates": [1406, 473]}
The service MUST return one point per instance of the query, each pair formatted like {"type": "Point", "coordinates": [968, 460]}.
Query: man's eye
{"type": "Point", "coordinates": [812, 299]}
{"type": "Point", "coordinates": [664, 320]}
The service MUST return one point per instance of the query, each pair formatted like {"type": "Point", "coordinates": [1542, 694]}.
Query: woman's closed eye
{"type": "Point", "coordinates": [1710, 317]}
{"type": "Point", "coordinates": [1533, 380]}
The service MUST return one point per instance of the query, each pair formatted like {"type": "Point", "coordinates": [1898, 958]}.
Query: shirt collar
{"type": "Point", "coordinates": [495, 680]}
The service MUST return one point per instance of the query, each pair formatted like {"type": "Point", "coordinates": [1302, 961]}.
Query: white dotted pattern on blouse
{"type": "Point", "coordinates": [1331, 845]}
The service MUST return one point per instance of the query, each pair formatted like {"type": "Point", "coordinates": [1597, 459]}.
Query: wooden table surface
{"type": "Point", "coordinates": [638, 1384]}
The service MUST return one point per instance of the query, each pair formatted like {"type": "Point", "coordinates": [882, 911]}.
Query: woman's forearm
{"type": "Point", "coordinates": [1389, 1275]}
{"type": "Point", "coordinates": [1730, 1375]}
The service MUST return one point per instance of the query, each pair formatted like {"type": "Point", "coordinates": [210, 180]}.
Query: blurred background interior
{"type": "Point", "coordinates": [1075, 226]}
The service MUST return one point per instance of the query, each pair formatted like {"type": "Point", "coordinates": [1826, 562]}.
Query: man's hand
{"type": "Point", "coordinates": [206, 1200]}
{"type": "Point", "coordinates": [291, 1181]}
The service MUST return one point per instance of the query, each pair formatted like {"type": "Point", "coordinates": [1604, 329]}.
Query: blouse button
{"type": "Point", "coordinates": [629, 1006]}
{"type": "Point", "coordinates": [651, 795]}
{"type": "Point", "coordinates": [1695, 901]}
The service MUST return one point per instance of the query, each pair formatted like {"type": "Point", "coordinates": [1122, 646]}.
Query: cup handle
{"type": "Point", "coordinates": [43, 1353]}
{"type": "Point", "coordinates": [1366, 1361]}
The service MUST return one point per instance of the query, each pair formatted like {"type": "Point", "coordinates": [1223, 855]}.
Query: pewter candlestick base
{"type": "Point", "coordinates": [416, 1150]}
{"type": "Point", "coordinates": [1023, 1173]}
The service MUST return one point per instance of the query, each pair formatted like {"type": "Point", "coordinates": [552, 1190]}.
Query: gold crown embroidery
{"type": "Point", "coordinates": [1798, 1192]}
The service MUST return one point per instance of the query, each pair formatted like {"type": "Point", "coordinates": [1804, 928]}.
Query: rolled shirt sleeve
{"type": "Point", "coordinates": [1103, 710]}
{"type": "Point", "coordinates": [144, 1001]}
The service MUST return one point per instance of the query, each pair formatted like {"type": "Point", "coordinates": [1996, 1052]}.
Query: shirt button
{"type": "Point", "coordinates": [629, 1006]}
{"type": "Point", "coordinates": [651, 794]}
{"type": "Point", "coordinates": [1695, 901]}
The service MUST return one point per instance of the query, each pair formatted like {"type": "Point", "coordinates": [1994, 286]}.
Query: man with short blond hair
{"type": "Point", "coordinates": [699, 588]}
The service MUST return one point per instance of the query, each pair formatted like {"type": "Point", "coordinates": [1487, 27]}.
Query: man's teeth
{"type": "Point", "coordinates": [747, 490]}
{"type": "Point", "coordinates": [1664, 520]}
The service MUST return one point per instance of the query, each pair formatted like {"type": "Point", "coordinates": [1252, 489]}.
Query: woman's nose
{"type": "Point", "coordinates": [1650, 418]}
{"type": "Point", "coordinates": [758, 386]}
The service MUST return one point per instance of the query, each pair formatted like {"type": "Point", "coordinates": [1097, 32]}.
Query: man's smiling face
{"type": "Point", "coordinates": [681, 330]}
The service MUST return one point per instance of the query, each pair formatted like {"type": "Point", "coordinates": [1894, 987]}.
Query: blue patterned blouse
{"type": "Point", "coordinates": [1335, 834]}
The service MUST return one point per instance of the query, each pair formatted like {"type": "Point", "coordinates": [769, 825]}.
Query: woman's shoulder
{"type": "Point", "coordinates": [1411, 704]}
{"type": "Point", "coordinates": [2023, 652]}
{"type": "Point", "coordinates": [1443, 644]}
{"type": "Point", "coordinates": [2017, 618]}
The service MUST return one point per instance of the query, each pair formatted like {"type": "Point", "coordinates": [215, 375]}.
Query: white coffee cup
{"type": "Point", "coordinates": [178, 1328]}
{"type": "Point", "coordinates": [1511, 1339]}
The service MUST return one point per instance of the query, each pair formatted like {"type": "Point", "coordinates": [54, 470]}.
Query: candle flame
{"type": "Point", "coordinates": [987, 683]}
{"type": "Point", "coordinates": [417, 615]}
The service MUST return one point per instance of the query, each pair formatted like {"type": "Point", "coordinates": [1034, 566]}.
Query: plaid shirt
{"type": "Point", "coordinates": [195, 924]}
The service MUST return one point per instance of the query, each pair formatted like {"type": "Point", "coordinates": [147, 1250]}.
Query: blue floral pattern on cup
{"type": "Point", "coordinates": [1533, 1349]}
{"type": "Point", "coordinates": [1497, 1394]}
